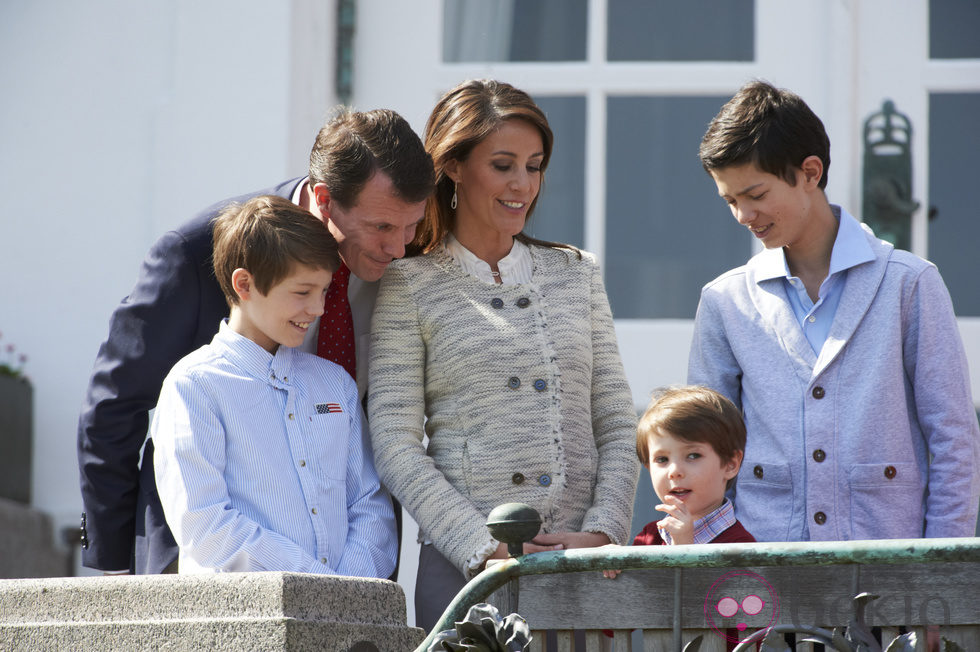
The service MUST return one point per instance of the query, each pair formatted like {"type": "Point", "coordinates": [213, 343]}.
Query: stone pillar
{"type": "Point", "coordinates": [237, 612]}
{"type": "Point", "coordinates": [27, 544]}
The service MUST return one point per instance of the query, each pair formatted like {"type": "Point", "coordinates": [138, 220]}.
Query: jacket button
{"type": "Point", "coordinates": [819, 455]}
{"type": "Point", "coordinates": [819, 518]}
{"type": "Point", "coordinates": [497, 303]}
{"type": "Point", "coordinates": [514, 382]}
{"type": "Point", "coordinates": [890, 472]}
{"type": "Point", "coordinates": [757, 471]}
{"type": "Point", "coordinates": [818, 392]}
{"type": "Point", "coordinates": [540, 385]}
{"type": "Point", "coordinates": [544, 480]}
{"type": "Point", "coordinates": [523, 302]}
{"type": "Point", "coordinates": [517, 478]}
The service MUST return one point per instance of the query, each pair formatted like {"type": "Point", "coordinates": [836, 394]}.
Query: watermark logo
{"type": "Point", "coordinates": [736, 598]}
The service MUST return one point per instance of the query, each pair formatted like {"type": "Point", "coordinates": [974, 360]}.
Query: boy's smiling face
{"type": "Point", "coordinates": [691, 472]}
{"type": "Point", "coordinates": [285, 313]}
{"type": "Point", "coordinates": [776, 212]}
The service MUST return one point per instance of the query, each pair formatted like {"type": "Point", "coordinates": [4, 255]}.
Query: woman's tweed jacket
{"type": "Point", "coordinates": [523, 396]}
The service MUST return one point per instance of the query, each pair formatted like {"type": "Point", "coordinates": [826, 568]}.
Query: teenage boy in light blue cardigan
{"type": "Point", "coordinates": [842, 351]}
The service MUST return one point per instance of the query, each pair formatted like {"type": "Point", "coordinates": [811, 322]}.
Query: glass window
{"type": "Point", "coordinates": [954, 141]}
{"type": "Point", "coordinates": [560, 213]}
{"type": "Point", "coordinates": [953, 27]}
{"type": "Point", "coordinates": [514, 30]}
{"type": "Point", "coordinates": [691, 30]}
{"type": "Point", "coordinates": [667, 231]}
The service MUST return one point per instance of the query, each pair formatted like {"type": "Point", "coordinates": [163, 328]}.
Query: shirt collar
{"type": "Point", "coordinates": [509, 266]}
{"type": "Point", "coordinates": [252, 358]}
{"type": "Point", "coordinates": [710, 526]}
{"type": "Point", "coordinates": [850, 249]}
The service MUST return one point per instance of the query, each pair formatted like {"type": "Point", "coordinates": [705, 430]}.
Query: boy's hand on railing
{"type": "Point", "coordinates": [679, 522]}
{"type": "Point", "coordinates": [611, 574]}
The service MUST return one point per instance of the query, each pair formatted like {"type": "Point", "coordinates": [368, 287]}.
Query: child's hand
{"type": "Point", "coordinates": [678, 522]}
{"type": "Point", "coordinates": [610, 574]}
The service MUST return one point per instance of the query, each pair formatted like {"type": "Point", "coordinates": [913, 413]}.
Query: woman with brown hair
{"type": "Point", "coordinates": [499, 347]}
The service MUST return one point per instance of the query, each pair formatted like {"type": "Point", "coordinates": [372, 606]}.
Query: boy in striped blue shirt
{"type": "Point", "coordinates": [263, 460]}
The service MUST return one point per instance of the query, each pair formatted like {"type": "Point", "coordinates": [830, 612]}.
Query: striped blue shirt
{"type": "Point", "coordinates": [263, 463]}
{"type": "Point", "coordinates": [709, 526]}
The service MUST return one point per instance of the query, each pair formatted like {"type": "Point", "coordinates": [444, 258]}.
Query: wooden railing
{"type": "Point", "coordinates": [675, 594]}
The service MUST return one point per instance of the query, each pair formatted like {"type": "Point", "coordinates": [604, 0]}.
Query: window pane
{"type": "Point", "coordinates": [953, 28]}
{"type": "Point", "coordinates": [691, 30]}
{"type": "Point", "coordinates": [667, 232]}
{"type": "Point", "coordinates": [560, 213]}
{"type": "Point", "coordinates": [514, 30]}
{"type": "Point", "coordinates": [954, 141]}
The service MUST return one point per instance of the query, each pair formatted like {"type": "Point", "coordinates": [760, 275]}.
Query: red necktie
{"type": "Point", "coordinates": [336, 338]}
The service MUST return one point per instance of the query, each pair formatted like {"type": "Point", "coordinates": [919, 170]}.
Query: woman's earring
{"type": "Point", "coordinates": [453, 203]}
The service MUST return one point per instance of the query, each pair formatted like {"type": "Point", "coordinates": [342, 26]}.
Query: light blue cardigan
{"type": "Point", "coordinates": [893, 391]}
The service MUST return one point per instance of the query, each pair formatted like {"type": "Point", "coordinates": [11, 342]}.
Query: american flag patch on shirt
{"type": "Point", "coordinates": [328, 408]}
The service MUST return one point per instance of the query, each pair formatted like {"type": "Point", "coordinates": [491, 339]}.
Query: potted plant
{"type": "Point", "coordinates": [16, 431]}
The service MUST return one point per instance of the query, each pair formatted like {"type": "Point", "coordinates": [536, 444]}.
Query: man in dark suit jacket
{"type": "Point", "coordinates": [369, 179]}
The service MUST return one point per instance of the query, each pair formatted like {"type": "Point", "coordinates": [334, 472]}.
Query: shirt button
{"type": "Point", "coordinates": [811, 319]}
{"type": "Point", "coordinates": [302, 462]}
{"type": "Point", "coordinates": [540, 385]}
{"type": "Point", "coordinates": [818, 392]}
{"type": "Point", "coordinates": [890, 472]}
{"type": "Point", "coordinates": [819, 455]}
{"type": "Point", "coordinates": [313, 510]}
{"type": "Point", "coordinates": [819, 518]}
{"type": "Point", "coordinates": [514, 382]}
{"type": "Point", "coordinates": [523, 302]}
{"type": "Point", "coordinates": [323, 560]}
{"type": "Point", "coordinates": [291, 416]}
{"type": "Point", "coordinates": [517, 478]}
{"type": "Point", "coordinates": [757, 471]}
{"type": "Point", "coordinates": [497, 303]}
{"type": "Point", "coordinates": [544, 480]}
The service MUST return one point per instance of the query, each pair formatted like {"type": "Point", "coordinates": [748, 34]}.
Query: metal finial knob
{"type": "Point", "coordinates": [514, 524]}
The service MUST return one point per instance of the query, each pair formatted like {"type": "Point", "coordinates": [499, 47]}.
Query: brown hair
{"type": "Point", "coordinates": [772, 128]}
{"type": "Point", "coordinates": [461, 120]}
{"type": "Point", "coordinates": [267, 235]}
{"type": "Point", "coordinates": [692, 413]}
{"type": "Point", "coordinates": [354, 145]}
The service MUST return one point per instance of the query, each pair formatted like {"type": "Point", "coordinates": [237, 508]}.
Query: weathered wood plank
{"type": "Point", "coordinates": [565, 640]}
{"type": "Point", "coordinates": [815, 596]}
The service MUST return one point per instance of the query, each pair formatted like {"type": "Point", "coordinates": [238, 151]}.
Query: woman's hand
{"type": "Point", "coordinates": [501, 552]}
{"type": "Point", "coordinates": [678, 522]}
{"type": "Point", "coordinates": [568, 540]}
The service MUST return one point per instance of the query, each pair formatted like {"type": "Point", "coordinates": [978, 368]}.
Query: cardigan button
{"type": "Point", "coordinates": [819, 518]}
{"type": "Point", "coordinates": [523, 302]}
{"type": "Point", "coordinates": [757, 471]}
{"type": "Point", "coordinates": [890, 472]}
{"type": "Point", "coordinates": [540, 385]}
{"type": "Point", "coordinates": [517, 478]}
{"type": "Point", "coordinates": [497, 303]}
{"type": "Point", "coordinates": [544, 480]}
{"type": "Point", "coordinates": [514, 382]}
{"type": "Point", "coordinates": [818, 392]}
{"type": "Point", "coordinates": [819, 455]}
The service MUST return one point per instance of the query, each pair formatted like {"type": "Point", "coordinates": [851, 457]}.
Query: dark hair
{"type": "Point", "coordinates": [461, 120]}
{"type": "Point", "coordinates": [692, 413]}
{"type": "Point", "coordinates": [354, 145]}
{"type": "Point", "coordinates": [267, 235]}
{"type": "Point", "coordinates": [772, 128]}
